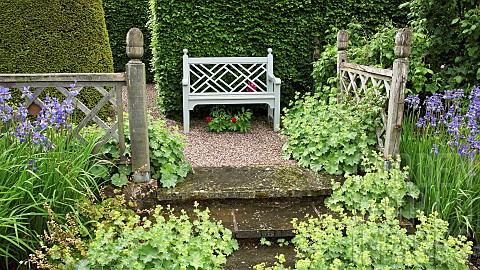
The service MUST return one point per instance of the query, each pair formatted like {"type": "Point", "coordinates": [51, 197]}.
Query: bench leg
{"type": "Point", "coordinates": [270, 114]}
{"type": "Point", "coordinates": [276, 119]}
{"type": "Point", "coordinates": [186, 120]}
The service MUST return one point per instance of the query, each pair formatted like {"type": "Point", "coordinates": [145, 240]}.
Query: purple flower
{"type": "Point", "coordinates": [73, 92]}
{"type": "Point", "coordinates": [434, 149]}
{"type": "Point", "coordinates": [26, 93]}
{"type": "Point", "coordinates": [413, 101]}
{"type": "Point", "coordinates": [4, 94]}
{"type": "Point", "coordinates": [434, 103]}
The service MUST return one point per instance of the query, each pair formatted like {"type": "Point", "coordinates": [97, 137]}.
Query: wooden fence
{"type": "Point", "coordinates": [110, 86]}
{"type": "Point", "coordinates": [355, 79]}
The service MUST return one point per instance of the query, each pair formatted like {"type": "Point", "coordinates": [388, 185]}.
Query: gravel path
{"type": "Point", "coordinates": [209, 149]}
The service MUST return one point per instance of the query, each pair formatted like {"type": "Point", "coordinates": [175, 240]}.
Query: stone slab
{"type": "Point", "coordinates": [256, 218]}
{"type": "Point", "coordinates": [249, 182]}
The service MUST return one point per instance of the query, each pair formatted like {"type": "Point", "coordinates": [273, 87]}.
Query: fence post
{"type": "Point", "coordinates": [342, 44]}
{"type": "Point", "coordinates": [403, 39]}
{"type": "Point", "coordinates": [137, 107]}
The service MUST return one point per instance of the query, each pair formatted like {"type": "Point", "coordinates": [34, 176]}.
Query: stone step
{"type": "Point", "coordinates": [252, 252]}
{"type": "Point", "coordinates": [249, 182]}
{"type": "Point", "coordinates": [256, 218]}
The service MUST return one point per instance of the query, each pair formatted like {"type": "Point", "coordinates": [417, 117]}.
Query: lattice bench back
{"type": "Point", "coordinates": [230, 80]}
{"type": "Point", "coordinates": [354, 80]}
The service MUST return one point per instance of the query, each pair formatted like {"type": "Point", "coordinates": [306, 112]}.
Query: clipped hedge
{"type": "Point", "coordinates": [248, 28]}
{"type": "Point", "coordinates": [120, 16]}
{"type": "Point", "coordinates": [55, 36]}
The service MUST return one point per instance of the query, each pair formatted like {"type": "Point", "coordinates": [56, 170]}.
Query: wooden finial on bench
{"type": "Point", "coordinates": [269, 50]}
{"type": "Point", "coordinates": [134, 45]}
{"type": "Point", "coordinates": [185, 51]}
{"type": "Point", "coordinates": [403, 40]}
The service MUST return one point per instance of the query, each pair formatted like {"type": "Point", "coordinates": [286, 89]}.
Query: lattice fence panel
{"type": "Point", "coordinates": [111, 92]}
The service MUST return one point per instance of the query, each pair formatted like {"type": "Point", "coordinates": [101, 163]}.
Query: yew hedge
{"type": "Point", "coordinates": [248, 28]}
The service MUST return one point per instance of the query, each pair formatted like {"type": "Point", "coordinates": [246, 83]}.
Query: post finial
{"type": "Point", "coordinates": [134, 44]}
{"type": "Point", "coordinates": [342, 40]}
{"type": "Point", "coordinates": [185, 51]}
{"type": "Point", "coordinates": [269, 50]}
{"type": "Point", "coordinates": [403, 40]}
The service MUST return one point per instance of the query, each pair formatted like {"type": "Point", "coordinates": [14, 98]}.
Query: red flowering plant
{"type": "Point", "coordinates": [222, 120]}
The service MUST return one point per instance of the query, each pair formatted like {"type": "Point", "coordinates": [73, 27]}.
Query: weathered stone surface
{"type": "Point", "coordinates": [249, 182]}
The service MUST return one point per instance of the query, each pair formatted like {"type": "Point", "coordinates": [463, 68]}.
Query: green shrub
{"type": "Point", "coordinates": [248, 28]}
{"type": "Point", "coordinates": [364, 192]}
{"type": "Point", "coordinates": [55, 37]}
{"type": "Point", "coordinates": [120, 16]}
{"type": "Point", "coordinates": [330, 136]}
{"type": "Point", "coordinates": [452, 30]}
{"type": "Point", "coordinates": [375, 50]}
{"type": "Point", "coordinates": [167, 160]}
{"type": "Point", "coordinates": [123, 240]}
{"type": "Point", "coordinates": [379, 242]}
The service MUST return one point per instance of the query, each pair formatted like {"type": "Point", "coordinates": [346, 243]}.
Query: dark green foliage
{"type": "Point", "coordinates": [120, 16]}
{"type": "Point", "coordinates": [453, 31]}
{"type": "Point", "coordinates": [53, 37]}
{"type": "Point", "coordinates": [248, 28]}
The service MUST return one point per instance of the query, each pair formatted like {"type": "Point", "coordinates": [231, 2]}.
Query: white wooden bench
{"type": "Point", "coordinates": [230, 80]}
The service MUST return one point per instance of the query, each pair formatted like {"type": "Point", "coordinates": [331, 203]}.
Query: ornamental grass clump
{"type": "Point", "coordinates": [440, 143]}
{"type": "Point", "coordinates": [42, 163]}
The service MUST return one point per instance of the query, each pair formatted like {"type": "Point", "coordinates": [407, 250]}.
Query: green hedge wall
{"type": "Point", "coordinates": [55, 36]}
{"type": "Point", "coordinates": [120, 16]}
{"type": "Point", "coordinates": [248, 28]}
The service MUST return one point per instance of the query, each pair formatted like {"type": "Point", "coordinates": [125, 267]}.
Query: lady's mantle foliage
{"type": "Point", "coordinates": [167, 160]}
{"type": "Point", "coordinates": [364, 193]}
{"type": "Point", "coordinates": [330, 136]}
{"type": "Point", "coordinates": [122, 239]}
{"type": "Point", "coordinates": [376, 242]}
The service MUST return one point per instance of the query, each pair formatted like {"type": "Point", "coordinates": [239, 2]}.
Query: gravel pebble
{"type": "Point", "coordinates": [208, 149]}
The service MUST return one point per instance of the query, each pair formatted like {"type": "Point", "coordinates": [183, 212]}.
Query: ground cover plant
{"type": "Point", "coordinates": [42, 164]}
{"type": "Point", "coordinates": [440, 143]}
{"type": "Point", "coordinates": [369, 235]}
{"type": "Point", "coordinates": [329, 135]}
{"type": "Point", "coordinates": [376, 242]}
{"type": "Point", "coordinates": [122, 239]}
{"type": "Point", "coordinates": [363, 193]}
{"type": "Point", "coordinates": [167, 160]}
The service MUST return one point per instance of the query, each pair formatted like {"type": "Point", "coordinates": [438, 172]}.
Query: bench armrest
{"type": "Point", "coordinates": [274, 79]}
{"type": "Point", "coordinates": [184, 82]}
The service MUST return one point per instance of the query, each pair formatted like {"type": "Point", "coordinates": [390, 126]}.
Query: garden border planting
{"type": "Point", "coordinates": [133, 78]}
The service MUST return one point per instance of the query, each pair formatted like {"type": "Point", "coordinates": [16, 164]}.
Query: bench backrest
{"type": "Point", "coordinates": [228, 74]}
{"type": "Point", "coordinates": [355, 79]}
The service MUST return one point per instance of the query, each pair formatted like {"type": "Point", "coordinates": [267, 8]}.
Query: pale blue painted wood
{"type": "Point", "coordinates": [210, 86]}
